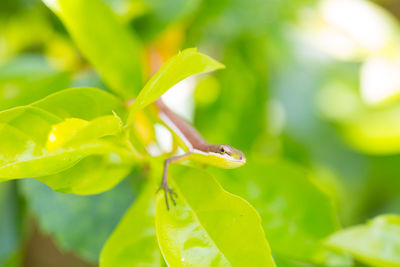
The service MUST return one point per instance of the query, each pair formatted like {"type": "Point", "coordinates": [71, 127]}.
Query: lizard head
{"type": "Point", "coordinates": [227, 156]}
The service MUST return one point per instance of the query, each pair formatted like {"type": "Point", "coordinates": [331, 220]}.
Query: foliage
{"type": "Point", "coordinates": [134, 241]}
{"type": "Point", "coordinates": [183, 65]}
{"type": "Point", "coordinates": [321, 139]}
{"type": "Point", "coordinates": [286, 186]}
{"type": "Point", "coordinates": [119, 66]}
{"type": "Point", "coordinates": [376, 243]}
{"type": "Point", "coordinates": [221, 225]}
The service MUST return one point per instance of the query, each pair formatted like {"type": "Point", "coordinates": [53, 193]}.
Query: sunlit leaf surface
{"type": "Point", "coordinates": [185, 64]}
{"type": "Point", "coordinates": [313, 82]}
{"type": "Point", "coordinates": [293, 209]}
{"type": "Point", "coordinates": [104, 41]}
{"type": "Point", "coordinates": [376, 243]}
{"type": "Point", "coordinates": [58, 214]}
{"type": "Point", "coordinates": [92, 175]}
{"type": "Point", "coordinates": [73, 132]}
{"type": "Point", "coordinates": [25, 132]}
{"type": "Point", "coordinates": [134, 242]}
{"type": "Point", "coordinates": [209, 226]}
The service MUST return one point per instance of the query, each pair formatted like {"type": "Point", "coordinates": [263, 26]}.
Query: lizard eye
{"type": "Point", "coordinates": [222, 150]}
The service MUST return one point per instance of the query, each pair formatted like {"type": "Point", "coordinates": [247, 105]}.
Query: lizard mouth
{"type": "Point", "coordinates": [238, 158]}
{"type": "Point", "coordinates": [235, 158]}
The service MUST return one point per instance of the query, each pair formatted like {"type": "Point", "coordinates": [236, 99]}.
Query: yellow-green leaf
{"type": "Point", "coordinates": [92, 175]}
{"type": "Point", "coordinates": [209, 226]}
{"type": "Point", "coordinates": [61, 132]}
{"type": "Point", "coordinates": [376, 243]}
{"type": "Point", "coordinates": [25, 131]}
{"type": "Point", "coordinates": [73, 131]}
{"type": "Point", "coordinates": [294, 210]}
{"type": "Point", "coordinates": [134, 242]}
{"type": "Point", "coordinates": [184, 64]}
{"type": "Point", "coordinates": [113, 51]}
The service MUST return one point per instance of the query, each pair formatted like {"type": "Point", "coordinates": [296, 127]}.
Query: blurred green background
{"type": "Point", "coordinates": [313, 83]}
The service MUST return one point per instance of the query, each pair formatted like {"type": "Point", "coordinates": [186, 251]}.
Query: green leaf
{"type": "Point", "coordinates": [84, 103]}
{"type": "Point", "coordinates": [134, 242]}
{"type": "Point", "coordinates": [74, 132]}
{"type": "Point", "coordinates": [293, 208]}
{"type": "Point", "coordinates": [376, 243]}
{"type": "Point", "coordinates": [113, 51]}
{"type": "Point", "coordinates": [184, 64]}
{"type": "Point", "coordinates": [332, 260]}
{"type": "Point", "coordinates": [80, 224]}
{"type": "Point", "coordinates": [25, 133]}
{"type": "Point", "coordinates": [92, 175]}
{"type": "Point", "coordinates": [28, 78]}
{"type": "Point", "coordinates": [209, 226]}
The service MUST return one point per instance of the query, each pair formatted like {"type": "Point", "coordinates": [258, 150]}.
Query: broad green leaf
{"type": "Point", "coordinates": [184, 64]}
{"type": "Point", "coordinates": [332, 260]}
{"type": "Point", "coordinates": [94, 174]}
{"type": "Point", "coordinates": [61, 133]}
{"type": "Point", "coordinates": [73, 132]}
{"type": "Point", "coordinates": [134, 242]}
{"type": "Point", "coordinates": [28, 78]}
{"type": "Point", "coordinates": [10, 222]}
{"type": "Point", "coordinates": [295, 213]}
{"type": "Point", "coordinates": [208, 226]}
{"type": "Point", "coordinates": [91, 175]}
{"type": "Point", "coordinates": [84, 103]}
{"type": "Point", "coordinates": [25, 132]}
{"type": "Point", "coordinates": [113, 51]}
{"type": "Point", "coordinates": [376, 243]}
{"type": "Point", "coordinates": [80, 224]}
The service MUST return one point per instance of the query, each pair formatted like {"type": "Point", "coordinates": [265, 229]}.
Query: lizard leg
{"type": "Point", "coordinates": [168, 192]}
